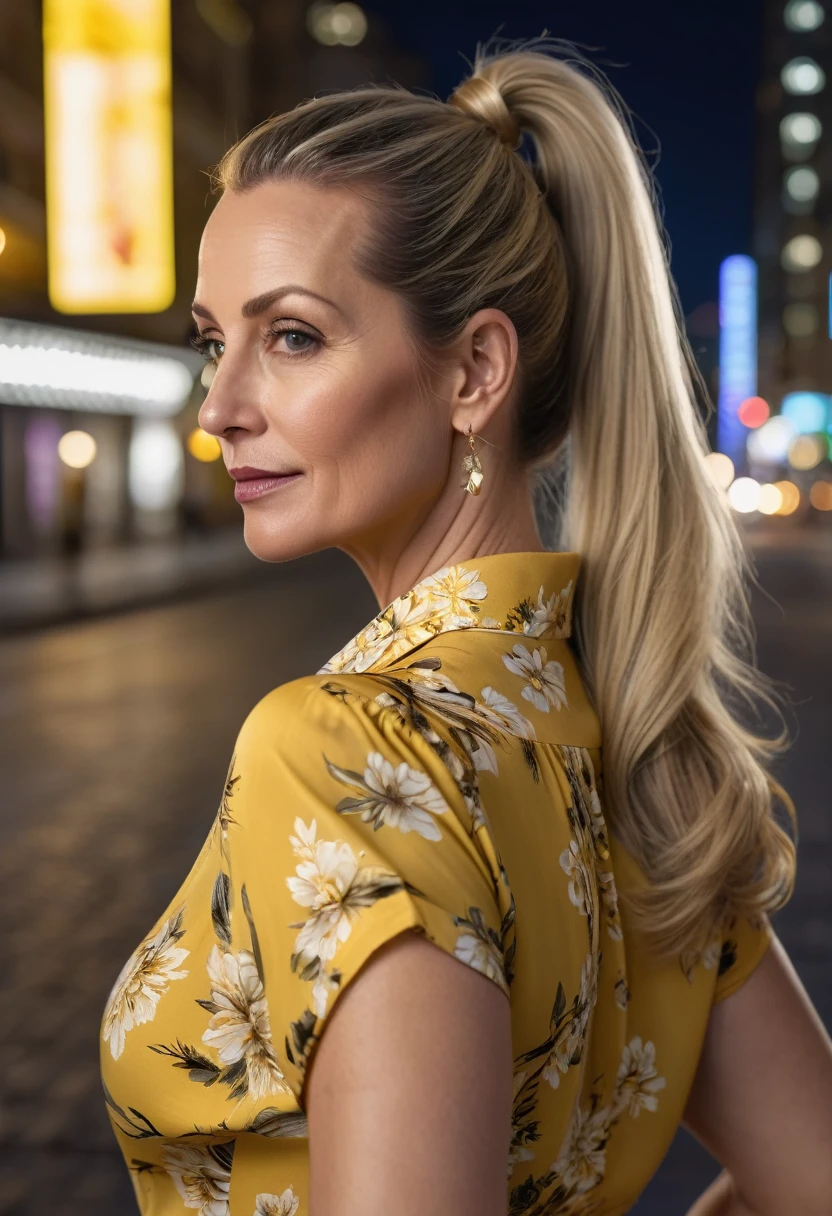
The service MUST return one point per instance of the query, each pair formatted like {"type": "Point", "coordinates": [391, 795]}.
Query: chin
{"type": "Point", "coordinates": [281, 543]}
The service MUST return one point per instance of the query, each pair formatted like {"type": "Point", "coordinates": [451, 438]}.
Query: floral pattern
{"type": "Point", "coordinates": [239, 1028]}
{"type": "Point", "coordinates": [544, 685]}
{"type": "Point", "coordinates": [400, 797]}
{"type": "Point", "coordinates": [202, 1176]}
{"type": "Point", "coordinates": [447, 785]}
{"type": "Point", "coordinates": [143, 981]}
{"type": "Point", "coordinates": [286, 1204]}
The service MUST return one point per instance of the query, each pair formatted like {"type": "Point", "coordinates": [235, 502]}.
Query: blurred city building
{"type": "Point", "coordinates": [99, 440]}
{"type": "Point", "coordinates": [775, 307]}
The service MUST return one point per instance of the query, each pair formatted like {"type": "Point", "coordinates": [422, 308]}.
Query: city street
{"type": "Point", "coordinates": [116, 736]}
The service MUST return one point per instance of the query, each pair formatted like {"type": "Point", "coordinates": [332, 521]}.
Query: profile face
{"type": "Point", "coordinates": [323, 392]}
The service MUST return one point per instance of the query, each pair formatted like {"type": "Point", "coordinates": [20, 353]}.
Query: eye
{"type": "Point", "coordinates": [292, 334]}
{"type": "Point", "coordinates": [207, 347]}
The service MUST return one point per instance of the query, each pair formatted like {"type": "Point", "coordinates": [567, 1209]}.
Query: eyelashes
{"type": "Point", "coordinates": [206, 346]}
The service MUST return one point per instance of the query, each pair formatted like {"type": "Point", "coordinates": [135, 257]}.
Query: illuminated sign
{"type": "Point", "coordinates": [54, 367]}
{"type": "Point", "coordinates": [737, 350]}
{"type": "Point", "coordinates": [109, 171]}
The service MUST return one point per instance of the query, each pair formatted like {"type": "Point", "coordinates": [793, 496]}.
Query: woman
{"type": "Point", "coordinates": [409, 319]}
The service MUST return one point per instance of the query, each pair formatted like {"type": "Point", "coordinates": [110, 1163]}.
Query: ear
{"type": "Point", "coordinates": [483, 370]}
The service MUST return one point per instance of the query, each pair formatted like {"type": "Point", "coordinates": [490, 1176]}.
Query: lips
{"type": "Point", "coordinates": [248, 473]}
{"type": "Point", "coordinates": [248, 488]}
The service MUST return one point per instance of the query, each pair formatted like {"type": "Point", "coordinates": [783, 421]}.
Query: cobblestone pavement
{"type": "Point", "coordinates": [115, 740]}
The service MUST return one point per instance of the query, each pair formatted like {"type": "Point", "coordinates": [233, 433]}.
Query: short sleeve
{"type": "Point", "coordinates": [743, 946]}
{"type": "Point", "coordinates": [344, 828]}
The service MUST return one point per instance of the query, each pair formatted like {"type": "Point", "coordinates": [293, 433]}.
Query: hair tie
{"type": "Point", "coordinates": [480, 98]}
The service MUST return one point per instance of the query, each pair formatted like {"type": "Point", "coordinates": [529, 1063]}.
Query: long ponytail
{"type": "Point", "coordinates": [662, 615]}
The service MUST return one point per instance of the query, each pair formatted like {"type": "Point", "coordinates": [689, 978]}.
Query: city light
{"type": "Point", "coordinates": [798, 135]}
{"type": "Point", "coordinates": [771, 500]}
{"type": "Point", "coordinates": [332, 24]}
{"type": "Point", "coordinates": [808, 412]}
{"type": "Point", "coordinates": [720, 469]}
{"type": "Point", "coordinates": [202, 446]}
{"type": "Point", "coordinates": [770, 442]}
{"type": "Point", "coordinates": [802, 76]}
{"type": "Point", "coordinates": [803, 16]}
{"type": "Point", "coordinates": [806, 452]}
{"type": "Point", "coordinates": [744, 494]}
{"type": "Point", "coordinates": [109, 155]}
{"type": "Point", "coordinates": [753, 412]}
{"type": "Point", "coordinates": [155, 465]}
{"type": "Point", "coordinates": [801, 253]}
{"type": "Point", "coordinates": [49, 366]}
{"type": "Point", "coordinates": [820, 495]}
{"type": "Point", "coordinates": [791, 497]}
{"type": "Point", "coordinates": [77, 449]}
{"type": "Point", "coordinates": [737, 349]}
{"type": "Point", "coordinates": [802, 183]}
{"type": "Point", "coordinates": [800, 320]}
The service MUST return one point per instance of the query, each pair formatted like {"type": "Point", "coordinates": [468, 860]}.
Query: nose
{"type": "Point", "coordinates": [227, 408]}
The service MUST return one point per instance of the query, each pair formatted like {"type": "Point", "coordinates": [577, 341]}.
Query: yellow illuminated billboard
{"type": "Point", "coordinates": [109, 170]}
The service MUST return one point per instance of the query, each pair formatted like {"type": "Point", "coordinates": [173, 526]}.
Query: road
{"type": "Point", "coordinates": [116, 734]}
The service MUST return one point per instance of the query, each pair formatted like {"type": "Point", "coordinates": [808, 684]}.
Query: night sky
{"type": "Point", "coordinates": [688, 71]}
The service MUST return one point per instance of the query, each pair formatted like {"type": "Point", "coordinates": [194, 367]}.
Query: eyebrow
{"type": "Point", "coordinates": [258, 304]}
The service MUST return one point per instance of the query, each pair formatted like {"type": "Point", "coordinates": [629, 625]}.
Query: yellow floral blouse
{"type": "Point", "coordinates": [440, 773]}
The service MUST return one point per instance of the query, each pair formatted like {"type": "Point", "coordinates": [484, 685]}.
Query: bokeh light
{"type": "Point", "coordinates": [753, 412]}
{"type": "Point", "coordinates": [808, 411]}
{"type": "Point", "coordinates": [802, 184]}
{"type": "Point", "coordinates": [800, 320]}
{"type": "Point", "coordinates": [802, 76]}
{"type": "Point", "coordinates": [799, 133]}
{"type": "Point", "coordinates": [806, 451]}
{"type": "Point", "coordinates": [744, 495]}
{"type": "Point", "coordinates": [334, 24]}
{"type": "Point", "coordinates": [203, 446]}
{"type": "Point", "coordinates": [770, 442]}
{"type": "Point", "coordinates": [77, 449]}
{"type": "Point", "coordinates": [207, 375]}
{"type": "Point", "coordinates": [2, 240]}
{"type": "Point", "coordinates": [802, 16]}
{"type": "Point", "coordinates": [801, 253]}
{"type": "Point", "coordinates": [721, 469]}
{"type": "Point", "coordinates": [791, 497]}
{"type": "Point", "coordinates": [771, 499]}
{"type": "Point", "coordinates": [820, 495]}
{"type": "Point", "coordinates": [155, 465]}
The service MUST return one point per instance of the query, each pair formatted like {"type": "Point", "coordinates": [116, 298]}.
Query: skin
{"type": "Point", "coordinates": [760, 1100]}
{"type": "Point", "coordinates": [381, 461]}
{"type": "Point", "coordinates": [380, 465]}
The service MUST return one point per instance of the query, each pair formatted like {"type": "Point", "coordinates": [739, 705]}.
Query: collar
{"type": "Point", "coordinates": [518, 593]}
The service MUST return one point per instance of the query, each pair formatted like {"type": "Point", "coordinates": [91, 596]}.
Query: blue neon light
{"type": "Point", "coordinates": [737, 350]}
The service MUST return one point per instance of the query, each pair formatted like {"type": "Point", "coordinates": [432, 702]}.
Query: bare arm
{"type": "Point", "coordinates": [761, 1100]}
{"type": "Point", "coordinates": [408, 1096]}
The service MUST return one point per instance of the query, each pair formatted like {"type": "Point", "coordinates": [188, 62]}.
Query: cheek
{"type": "Point", "coordinates": [371, 440]}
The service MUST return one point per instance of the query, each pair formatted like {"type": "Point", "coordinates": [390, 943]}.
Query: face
{"type": "Point", "coordinates": [315, 382]}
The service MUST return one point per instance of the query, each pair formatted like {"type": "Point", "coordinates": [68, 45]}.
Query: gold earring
{"type": "Point", "coordinates": [472, 465]}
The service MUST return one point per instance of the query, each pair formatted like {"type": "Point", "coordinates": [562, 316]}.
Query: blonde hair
{"type": "Point", "coordinates": [568, 242]}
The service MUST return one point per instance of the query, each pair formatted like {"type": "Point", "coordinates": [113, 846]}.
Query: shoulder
{"type": "Point", "coordinates": [322, 736]}
{"type": "Point", "coordinates": [292, 712]}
